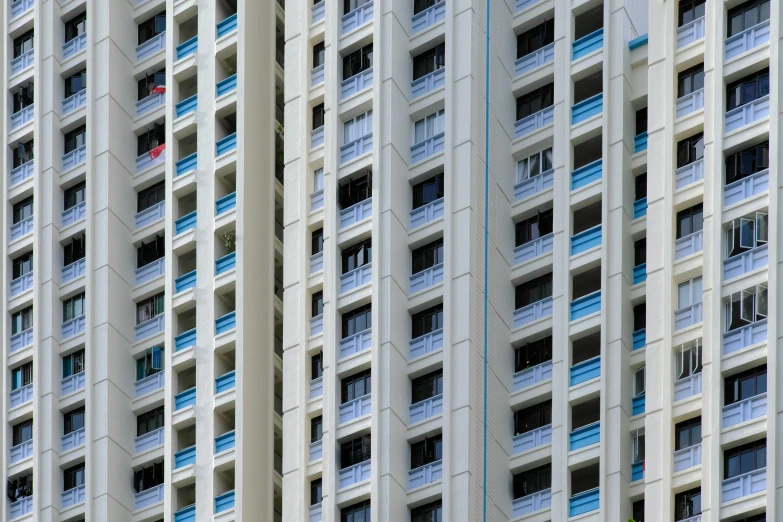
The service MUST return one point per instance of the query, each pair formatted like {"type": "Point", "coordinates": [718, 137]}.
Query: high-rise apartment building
{"type": "Point", "coordinates": [143, 250]}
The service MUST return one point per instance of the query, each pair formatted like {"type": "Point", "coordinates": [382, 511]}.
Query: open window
{"type": "Point", "coordinates": [687, 360]}
{"type": "Point", "coordinates": [639, 382]}
{"type": "Point", "coordinates": [746, 307]}
{"type": "Point", "coordinates": [637, 446]}
{"type": "Point", "coordinates": [747, 233]}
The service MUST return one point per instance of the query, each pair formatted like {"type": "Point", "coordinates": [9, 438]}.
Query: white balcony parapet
{"type": "Point", "coordinates": [356, 278]}
{"type": "Point", "coordinates": [21, 507]}
{"type": "Point", "coordinates": [533, 375]}
{"type": "Point", "coordinates": [356, 343]}
{"type": "Point", "coordinates": [532, 312]}
{"type": "Point", "coordinates": [72, 383]}
{"type": "Point", "coordinates": [688, 245]}
{"type": "Point", "coordinates": [73, 270]}
{"type": "Point", "coordinates": [21, 451]}
{"type": "Point", "coordinates": [745, 188]}
{"type": "Point", "coordinates": [74, 45]}
{"type": "Point", "coordinates": [22, 116]}
{"type": "Point", "coordinates": [315, 513]}
{"type": "Point", "coordinates": [743, 485]}
{"type": "Point", "coordinates": [533, 249]}
{"type": "Point", "coordinates": [21, 395]}
{"type": "Point", "coordinates": [21, 284]}
{"type": "Point", "coordinates": [687, 457]}
{"type": "Point", "coordinates": [426, 278]}
{"type": "Point", "coordinates": [72, 497]}
{"type": "Point", "coordinates": [687, 316]}
{"type": "Point", "coordinates": [429, 147]}
{"type": "Point", "coordinates": [151, 102]}
{"type": "Point", "coordinates": [21, 340]}
{"type": "Point", "coordinates": [356, 83]}
{"type": "Point", "coordinates": [150, 383]}
{"type": "Point", "coordinates": [687, 387]}
{"type": "Point", "coordinates": [531, 503]}
{"type": "Point", "coordinates": [531, 439]}
{"type": "Point", "coordinates": [150, 327]}
{"type": "Point", "coordinates": [748, 335]}
{"type": "Point", "coordinates": [745, 262]}
{"type": "Point", "coordinates": [428, 83]}
{"type": "Point", "coordinates": [316, 450]}
{"type": "Point", "coordinates": [425, 344]}
{"type": "Point", "coordinates": [317, 75]}
{"type": "Point", "coordinates": [690, 173]}
{"type": "Point", "coordinates": [535, 121]}
{"type": "Point", "coordinates": [22, 172]}
{"type": "Point", "coordinates": [74, 101]}
{"type": "Point", "coordinates": [316, 387]}
{"type": "Point", "coordinates": [153, 45]}
{"type": "Point", "coordinates": [316, 324]}
{"type": "Point", "coordinates": [425, 409]}
{"type": "Point", "coordinates": [690, 32]}
{"type": "Point", "coordinates": [356, 148]}
{"type": "Point", "coordinates": [150, 215]}
{"type": "Point", "coordinates": [317, 137]}
{"type": "Point", "coordinates": [534, 185]}
{"type": "Point", "coordinates": [73, 327]}
{"type": "Point", "coordinates": [535, 59]}
{"type": "Point", "coordinates": [150, 440]}
{"type": "Point", "coordinates": [151, 270]}
{"type": "Point", "coordinates": [428, 17]}
{"type": "Point", "coordinates": [425, 474]}
{"type": "Point", "coordinates": [747, 39]}
{"type": "Point", "coordinates": [74, 158]}
{"type": "Point", "coordinates": [354, 474]}
{"type": "Point", "coordinates": [22, 228]}
{"type": "Point", "coordinates": [19, 7]}
{"type": "Point", "coordinates": [147, 161]}
{"type": "Point", "coordinates": [356, 408]}
{"type": "Point", "coordinates": [747, 114]}
{"type": "Point", "coordinates": [22, 62]}
{"type": "Point", "coordinates": [744, 410]}
{"type": "Point", "coordinates": [149, 496]}
{"type": "Point", "coordinates": [316, 200]}
{"type": "Point", "coordinates": [690, 103]}
{"type": "Point", "coordinates": [426, 213]}
{"type": "Point", "coordinates": [72, 440]}
{"type": "Point", "coordinates": [358, 17]}
{"type": "Point", "coordinates": [318, 11]}
{"type": "Point", "coordinates": [74, 214]}
{"type": "Point", "coordinates": [356, 213]}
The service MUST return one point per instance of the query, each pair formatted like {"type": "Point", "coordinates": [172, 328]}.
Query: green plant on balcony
{"type": "Point", "coordinates": [230, 241]}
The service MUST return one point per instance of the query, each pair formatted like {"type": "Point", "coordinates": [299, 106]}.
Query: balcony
{"type": "Point", "coordinates": [354, 474]}
{"type": "Point", "coordinates": [22, 116]}
{"type": "Point", "coordinates": [150, 271]}
{"type": "Point", "coordinates": [315, 513]}
{"type": "Point", "coordinates": [640, 142]}
{"type": "Point", "coordinates": [426, 213]}
{"type": "Point", "coordinates": [586, 240]}
{"type": "Point", "coordinates": [21, 451]}
{"type": "Point", "coordinates": [72, 440]}
{"type": "Point", "coordinates": [639, 338]}
{"type": "Point", "coordinates": [689, 174]}
{"type": "Point", "coordinates": [19, 7]}
{"type": "Point", "coordinates": [637, 405]}
{"type": "Point", "coordinates": [226, 263]}
{"type": "Point", "coordinates": [425, 344]}
{"type": "Point", "coordinates": [74, 46]}
{"type": "Point", "coordinates": [186, 106]}
{"type": "Point", "coordinates": [316, 200]}
{"type": "Point", "coordinates": [19, 285]}
{"type": "Point", "coordinates": [316, 262]}
{"type": "Point", "coordinates": [585, 436]}
{"type": "Point", "coordinates": [426, 278]}
{"type": "Point", "coordinates": [428, 17]}
{"type": "Point", "coordinates": [687, 387]}
{"type": "Point", "coordinates": [21, 507]}
{"type": "Point", "coordinates": [21, 228]}
{"type": "Point", "coordinates": [748, 39]}
{"type": "Point", "coordinates": [535, 59]}
{"type": "Point", "coordinates": [587, 174]}
{"type": "Point", "coordinates": [315, 450]}
{"type": "Point", "coordinates": [534, 185]}
{"type": "Point", "coordinates": [229, 25]}
{"type": "Point", "coordinates": [224, 502]}
{"type": "Point", "coordinates": [637, 471]}
{"type": "Point", "coordinates": [21, 395]}
{"type": "Point", "coordinates": [356, 343]}
{"type": "Point", "coordinates": [187, 514]}
{"type": "Point", "coordinates": [225, 442]}
{"type": "Point", "coordinates": [356, 278]}
{"type": "Point", "coordinates": [587, 44]}
{"type": "Point", "coordinates": [745, 410]}
{"type": "Point", "coordinates": [73, 270]}
{"type": "Point", "coordinates": [72, 383]}
{"type": "Point", "coordinates": [150, 383]}
{"type": "Point", "coordinates": [74, 214]}
{"type": "Point", "coordinates": [533, 312]}
{"type": "Point", "coordinates": [588, 108]}
{"type": "Point", "coordinates": [357, 18]}
{"type": "Point", "coordinates": [317, 137]}
{"type": "Point", "coordinates": [185, 457]}
{"type": "Point", "coordinates": [425, 409]}
{"type": "Point", "coordinates": [531, 503]}
{"type": "Point", "coordinates": [687, 458]}
{"type": "Point", "coordinates": [533, 122]}
{"type": "Point", "coordinates": [226, 323]}
{"type": "Point", "coordinates": [746, 114]}
{"type": "Point", "coordinates": [185, 282]}
{"type": "Point", "coordinates": [429, 82]}
{"type": "Point", "coordinates": [429, 147]}
{"type": "Point", "coordinates": [583, 502]}
{"type": "Point", "coordinates": [150, 103]}
{"type": "Point", "coordinates": [21, 340]}
{"type": "Point", "coordinates": [318, 11]}
{"type": "Point", "coordinates": [185, 223]}
{"type": "Point", "coordinates": [151, 46]}
{"type": "Point", "coordinates": [185, 399]}
{"type": "Point", "coordinates": [690, 32]}
{"type": "Point", "coordinates": [225, 382]}
{"type": "Point", "coordinates": [316, 387]}
{"type": "Point", "coordinates": [355, 148]}
{"type": "Point", "coordinates": [639, 208]}
{"type": "Point", "coordinates": [73, 327]}
{"type": "Point", "coordinates": [187, 48]}
{"type": "Point", "coordinates": [151, 327]}
{"type": "Point", "coordinates": [22, 172]}
{"type": "Point", "coordinates": [640, 273]}
{"type": "Point", "coordinates": [745, 262]}
{"type": "Point", "coordinates": [187, 164]}
{"type": "Point", "coordinates": [586, 371]}
{"type": "Point", "coordinates": [354, 409]}
{"type": "Point", "coordinates": [150, 440]}
{"type": "Point", "coordinates": [356, 83]}
{"type": "Point", "coordinates": [426, 474]}
{"type": "Point", "coordinates": [690, 103]}
{"type": "Point", "coordinates": [356, 213]}
{"type": "Point", "coordinates": [586, 305]}
{"type": "Point", "coordinates": [688, 245]}
{"type": "Point", "coordinates": [745, 188]}
{"type": "Point", "coordinates": [533, 375]}
{"type": "Point", "coordinates": [149, 497]}
{"type": "Point", "coordinates": [687, 316]}
{"type": "Point", "coordinates": [74, 158]}
{"type": "Point", "coordinates": [226, 145]}
{"type": "Point", "coordinates": [227, 85]}
{"type": "Point", "coordinates": [22, 62]}
{"type": "Point", "coordinates": [744, 485]}
{"type": "Point", "coordinates": [150, 158]}
{"type": "Point", "coordinates": [531, 439]}
{"type": "Point", "coordinates": [185, 340]}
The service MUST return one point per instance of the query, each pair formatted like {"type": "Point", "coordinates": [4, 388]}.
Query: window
{"type": "Point", "coordinates": [432, 512]}
{"type": "Point", "coordinates": [690, 10]}
{"type": "Point", "coordinates": [357, 321]}
{"type": "Point", "coordinates": [421, 5]}
{"type": "Point", "coordinates": [316, 428]}
{"type": "Point", "coordinates": [429, 127]}
{"type": "Point", "coordinates": [318, 180]}
{"type": "Point", "coordinates": [73, 364]}
{"type": "Point", "coordinates": [23, 153]}
{"type": "Point", "coordinates": [73, 420]}
{"type": "Point", "coordinates": [426, 451]}
{"type": "Point", "coordinates": [690, 80]}
{"type": "Point", "coordinates": [535, 101]}
{"type": "Point", "coordinates": [23, 44]}
{"type": "Point", "coordinates": [745, 16]}
{"type": "Point", "coordinates": [355, 386]}
{"type": "Point", "coordinates": [427, 386]}
{"type": "Point", "coordinates": [640, 186]}
{"type": "Point", "coordinates": [638, 511]}
{"type": "Point", "coordinates": [747, 458]}
{"type": "Point", "coordinates": [428, 191]}
{"type": "Point", "coordinates": [690, 150]}
{"type": "Point", "coordinates": [357, 256]}
{"type": "Point", "coordinates": [319, 54]}
{"type": "Point", "coordinates": [150, 363]}
{"type": "Point", "coordinates": [746, 307]}
{"type": "Point", "coordinates": [689, 293]}
{"type": "Point", "coordinates": [73, 307]}
{"type": "Point", "coordinates": [350, 5]}
{"type": "Point", "coordinates": [23, 210]}
{"type": "Point", "coordinates": [74, 250]}
{"type": "Point", "coordinates": [317, 302]}
{"type": "Point", "coordinates": [73, 477]}
{"type": "Point", "coordinates": [317, 243]}
{"type": "Point", "coordinates": [532, 418]}
{"type": "Point", "coordinates": [75, 26]}
{"type": "Point", "coordinates": [74, 195]}
{"type": "Point", "coordinates": [318, 116]}
{"type": "Point", "coordinates": [687, 433]}
{"type": "Point", "coordinates": [745, 385]}
{"type": "Point", "coordinates": [316, 366]}
{"type": "Point", "coordinates": [638, 382]}
{"type": "Point", "coordinates": [532, 166]}
{"type": "Point", "coordinates": [533, 354]}
{"type": "Point", "coordinates": [747, 233]}
{"type": "Point", "coordinates": [149, 82]}
{"type": "Point", "coordinates": [149, 421]}
{"type": "Point", "coordinates": [149, 308]}
{"type": "Point", "coordinates": [639, 317]}
{"type": "Point", "coordinates": [21, 487]}
{"type": "Point", "coordinates": [354, 451]}
{"type": "Point", "coordinates": [687, 504]}
{"type": "Point", "coordinates": [22, 432]}
{"type": "Point", "coordinates": [356, 513]}
{"type": "Point", "coordinates": [429, 61]}
{"type": "Point", "coordinates": [22, 265]}
{"type": "Point", "coordinates": [357, 127]}
{"type": "Point", "coordinates": [533, 228]}
{"type": "Point", "coordinates": [357, 62]}
{"type": "Point", "coordinates": [637, 446]}
{"type": "Point", "coordinates": [151, 196]}
{"type": "Point", "coordinates": [747, 162]}
{"type": "Point", "coordinates": [22, 320]}
{"type": "Point", "coordinates": [532, 481]}
{"type": "Point", "coordinates": [148, 29]}
{"type": "Point", "coordinates": [536, 38]}
{"type": "Point", "coordinates": [747, 89]}
{"type": "Point", "coordinates": [75, 139]}
{"type": "Point", "coordinates": [356, 190]}
{"type": "Point", "coordinates": [427, 256]}
{"type": "Point", "coordinates": [150, 252]}
{"type": "Point", "coordinates": [687, 360]}
{"type": "Point", "coordinates": [148, 477]}
{"type": "Point", "coordinates": [690, 220]}
{"type": "Point", "coordinates": [23, 97]}
{"type": "Point", "coordinates": [640, 251]}
{"type": "Point", "coordinates": [533, 291]}
{"type": "Point", "coordinates": [316, 492]}
{"type": "Point", "coordinates": [641, 121]}
{"type": "Point", "coordinates": [151, 139]}
{"type": "Point", "coordinates": [427, 321]}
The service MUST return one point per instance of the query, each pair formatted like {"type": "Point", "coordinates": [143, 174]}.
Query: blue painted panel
{"type": "Point", "coordinates": [640, 142]}
{"type": "Point", "coordinates": [225, 382]}
{"type": "Point", "coordinates": [637, 405]}
{"type": "Point", "coordinates": [587, 44]}
{"type": "Point", "coordinates": [225, 442]}
{"type": "Point", "coordinates": [587, 108]}
{"type": "Point", "coordinates": [585, 371]}
{"type": "Point", "coordinates": [227, 144]}
{"type": "Point", "coordinates": [226, 203]}
{"type": "Point", "coordinates": [586, 240]}
{"type": "Point", "coordinates": [225, 263]}
{"type": "Point", "coordinates": [637, 471]}
{"type": "Point", "coordinates": [187, 48]}
{"type": "Point", "coordinates": [227, 85]}
{"type": "Point", "coordinates": [226, 26]}
{"type": "Point", "coordinates": [583, 503]}
{"type": "Point", "coordinates": [639, 339]}
{"type": "Point", "coordinates": [185, 399]}
{"type": "Point", "coordinates": [586, 174]}
{"type": "Point", "coordinates": [640, 208]}
{"type": "Point", "coordinates": [637, 42]}
{"type": "Point", "coordinates": [639, 273]}
{"type": "Point", "coordinates": [185, 340]}
{"type": "Point", "coordinates": [185, 282]}
{"type": "Point", "coordinates": [586, 305]}
{"type": "Point", "coordinates": [226, 323]}
{"type": "Point", "coordinates": [187, 514]}
{"type": "Point", "coordinates": [224, 502]}
{"type": "Point", "coordinates": [187, 105]}
{"type": "Point", "coordinates": [585, 436]}
{"type": "Point", "coordinates": [185, 223]}
{"type": "Point", "coordinates": [185, 457]}
{"type": "Point", "coordinates": [187, 163]}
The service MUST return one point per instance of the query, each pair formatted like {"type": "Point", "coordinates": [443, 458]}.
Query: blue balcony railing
{"type": "Point", "coordinates": [584, 436]}
{"type": "Point", "coordinates": [185, 399]}
{"type": "Point", "coordinates": [639, 338]}
{"type": "Point", "coordinates": [586, 371]}
{"type": "Point", "coordinates": [587, 174]}
{"type": "Point", "coordinates": [227, 85]}
{"type": "Point", "coordinates": [227, 26]}
{"type": "Point", "coordinates": [583, 503]}
{"type": "Point", "coordinates": [225, 442]}
{"type": "Point", "coordinates": [640, 208]}
{"type": "Point", "coordinates": [185, 282]}
{"type": "Point", "coordinates": [225, 382]}
{"type": "Point", "coordinates": [637, 471]}
{"type": "Point", "coordinates": [587, 44]}
{"type": "Point", "coordinates": [226, 323]}
{"type": "Point", "coordinates": [151, 327]}
{"type": "Point", "coordinates": [586, 305]}
{"type": "Point", "coordinates": [586, 240]}
{"type": "Point", "coordinates": [227, 144]}
{"type": "Point", "coordinates": [187, 514]}
{"type": "Point", "coordinates": [185, 223]}
{"type": "Point", "coordinates": [226, 203]}
{"type": "Point", "coordinates": [637, 405]}
{"type": "Point", "coordinates": [185, 340]}
{"type": "Point", "coordinates": [588, 108]}
{"type": "Point", "coordinates": [187, 164]}
{"type": "Point", "coordinates": [187, 48]}
{"type": "Point", "coordinates": [187, 106]}
{"type": "Point", "coordinates": [640, 273]}
{"type": "Point", "coordinates": [185, 457]}
{"type": "Point", "coordinates": [638, 42]}
{"type": "Point", "coordinates": [640, 142]}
